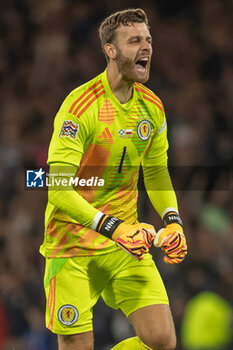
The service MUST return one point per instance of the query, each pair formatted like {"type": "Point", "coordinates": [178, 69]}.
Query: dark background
{"type": "Point", "coordinates": [47, 48]}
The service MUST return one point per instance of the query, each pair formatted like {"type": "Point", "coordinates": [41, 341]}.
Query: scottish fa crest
{"type": "Point", "coordinates": [68, 315]}
{"type": "Point", "coordinates": [144, 129]}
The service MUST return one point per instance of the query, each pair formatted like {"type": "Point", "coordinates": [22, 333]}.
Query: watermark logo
{"type": "Point", "coordinates": [59, 178]}
{"type": "Point", "coordinates": [35, 178]}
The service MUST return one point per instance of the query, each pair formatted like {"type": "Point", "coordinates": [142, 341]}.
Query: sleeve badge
{"type": "Point", "coordinates": [69, 129]}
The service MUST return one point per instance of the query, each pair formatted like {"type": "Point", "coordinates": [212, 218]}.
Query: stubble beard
{"type": "Point", "coordinates": [127, 69]}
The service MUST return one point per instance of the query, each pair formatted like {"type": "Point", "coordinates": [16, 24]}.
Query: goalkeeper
{"type": "Point", "coordinates": [93, 244]}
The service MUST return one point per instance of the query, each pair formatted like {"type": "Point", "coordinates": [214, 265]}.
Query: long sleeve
{"type": "Point", "coordinates": [156, 175]}
{"type": "Point", "coordinates": [66, 198]}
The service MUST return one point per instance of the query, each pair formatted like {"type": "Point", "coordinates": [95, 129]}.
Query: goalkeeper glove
{"type": "Point", "coordinates": [134, 239]}
{"type": "Point", "coordinates": [171, 239]}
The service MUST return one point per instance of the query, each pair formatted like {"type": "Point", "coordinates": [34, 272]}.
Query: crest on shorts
{"type": "Point", "coordinates": [68, 315]}
{"type": "Point", "coordinates": [144, 129]}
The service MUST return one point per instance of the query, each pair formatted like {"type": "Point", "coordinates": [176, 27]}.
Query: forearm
{"type": "Point", "coordinates": [73, 205]}
{"type": "Point", "coordinates": [159, 188]}
{"type": "Point", "coordinates": [67, 199]}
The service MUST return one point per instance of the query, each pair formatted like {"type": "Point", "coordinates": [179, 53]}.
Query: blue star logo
{"type": "Point", "coordinates": [35, 178]}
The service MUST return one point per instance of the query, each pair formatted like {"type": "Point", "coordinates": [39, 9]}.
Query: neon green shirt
{"type": "Point", "coordinates": [108, 141]}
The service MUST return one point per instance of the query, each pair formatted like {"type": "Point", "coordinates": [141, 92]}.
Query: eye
{"type": "Point", "coordinates": [133, 41]}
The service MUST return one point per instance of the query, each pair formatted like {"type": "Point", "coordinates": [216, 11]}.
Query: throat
{"type": "Point", "coordinates": [121, 87]}
{"type": "Point", "coordinates": [123, 97]}
{"type": "Point", "coordinates": [122, 90]}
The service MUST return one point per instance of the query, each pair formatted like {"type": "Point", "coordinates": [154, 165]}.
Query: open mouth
{"type": "Point", "coordinates": [142, 63]}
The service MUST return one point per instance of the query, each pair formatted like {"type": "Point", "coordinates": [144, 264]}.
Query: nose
{"type": "Point", "coordinates": [146, 45]}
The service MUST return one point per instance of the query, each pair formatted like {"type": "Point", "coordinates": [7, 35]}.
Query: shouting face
{"type": "Point", "coordinates": [133, 44]}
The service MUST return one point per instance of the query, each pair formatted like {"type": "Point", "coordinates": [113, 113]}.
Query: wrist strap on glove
{"type": "Point", "coordinates": [107, 225]}
{"type": "Point", "coordinates": [172, 217]}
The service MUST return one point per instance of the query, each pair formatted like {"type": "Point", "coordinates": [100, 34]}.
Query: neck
{"type": "Point", "coordinates": [121, 88]}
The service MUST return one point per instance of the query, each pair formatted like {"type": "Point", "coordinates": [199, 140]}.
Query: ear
{"type": "Point", "coordinates": [110, 50]}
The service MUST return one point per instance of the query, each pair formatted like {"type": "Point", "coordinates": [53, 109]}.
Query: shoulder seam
{"type": "Point", "coordinates": [86, 99]}
{"type": "Point", "coordinates": [148, 95]}
{"type": "Point", "coordinates": [96, 96]}
{"type": "Point", "coordinates": [92, 87]}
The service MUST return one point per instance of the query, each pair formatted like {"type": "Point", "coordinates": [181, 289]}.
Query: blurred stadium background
{"type": "Point", "coordinates": [47, 48]}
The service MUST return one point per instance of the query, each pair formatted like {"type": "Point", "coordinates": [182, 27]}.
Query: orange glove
{"type": "Point", "coordinates": [171, 239]}
{"type": "Point", "coordinates": [134, 239]}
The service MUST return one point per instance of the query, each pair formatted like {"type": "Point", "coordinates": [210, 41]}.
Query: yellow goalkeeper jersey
{"type": "Point", "coordinates": [112, 140]}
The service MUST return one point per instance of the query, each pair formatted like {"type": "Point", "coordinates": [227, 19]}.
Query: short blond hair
{"type": "Point", "coordinates": [107, 29]}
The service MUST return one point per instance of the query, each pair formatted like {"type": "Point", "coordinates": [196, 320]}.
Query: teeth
{"type": "Point", "coordinates": [144, 59]}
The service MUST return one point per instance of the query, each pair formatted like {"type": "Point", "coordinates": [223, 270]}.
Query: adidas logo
{"type": "Point", "coordinates": [105, 135]}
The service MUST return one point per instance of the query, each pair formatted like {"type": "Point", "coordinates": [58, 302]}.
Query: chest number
{"type": "Point", "coordinates": [122, 159]}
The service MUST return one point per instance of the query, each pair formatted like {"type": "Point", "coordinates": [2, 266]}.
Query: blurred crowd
{"type": "Point", "coordinates": [47, 48]}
